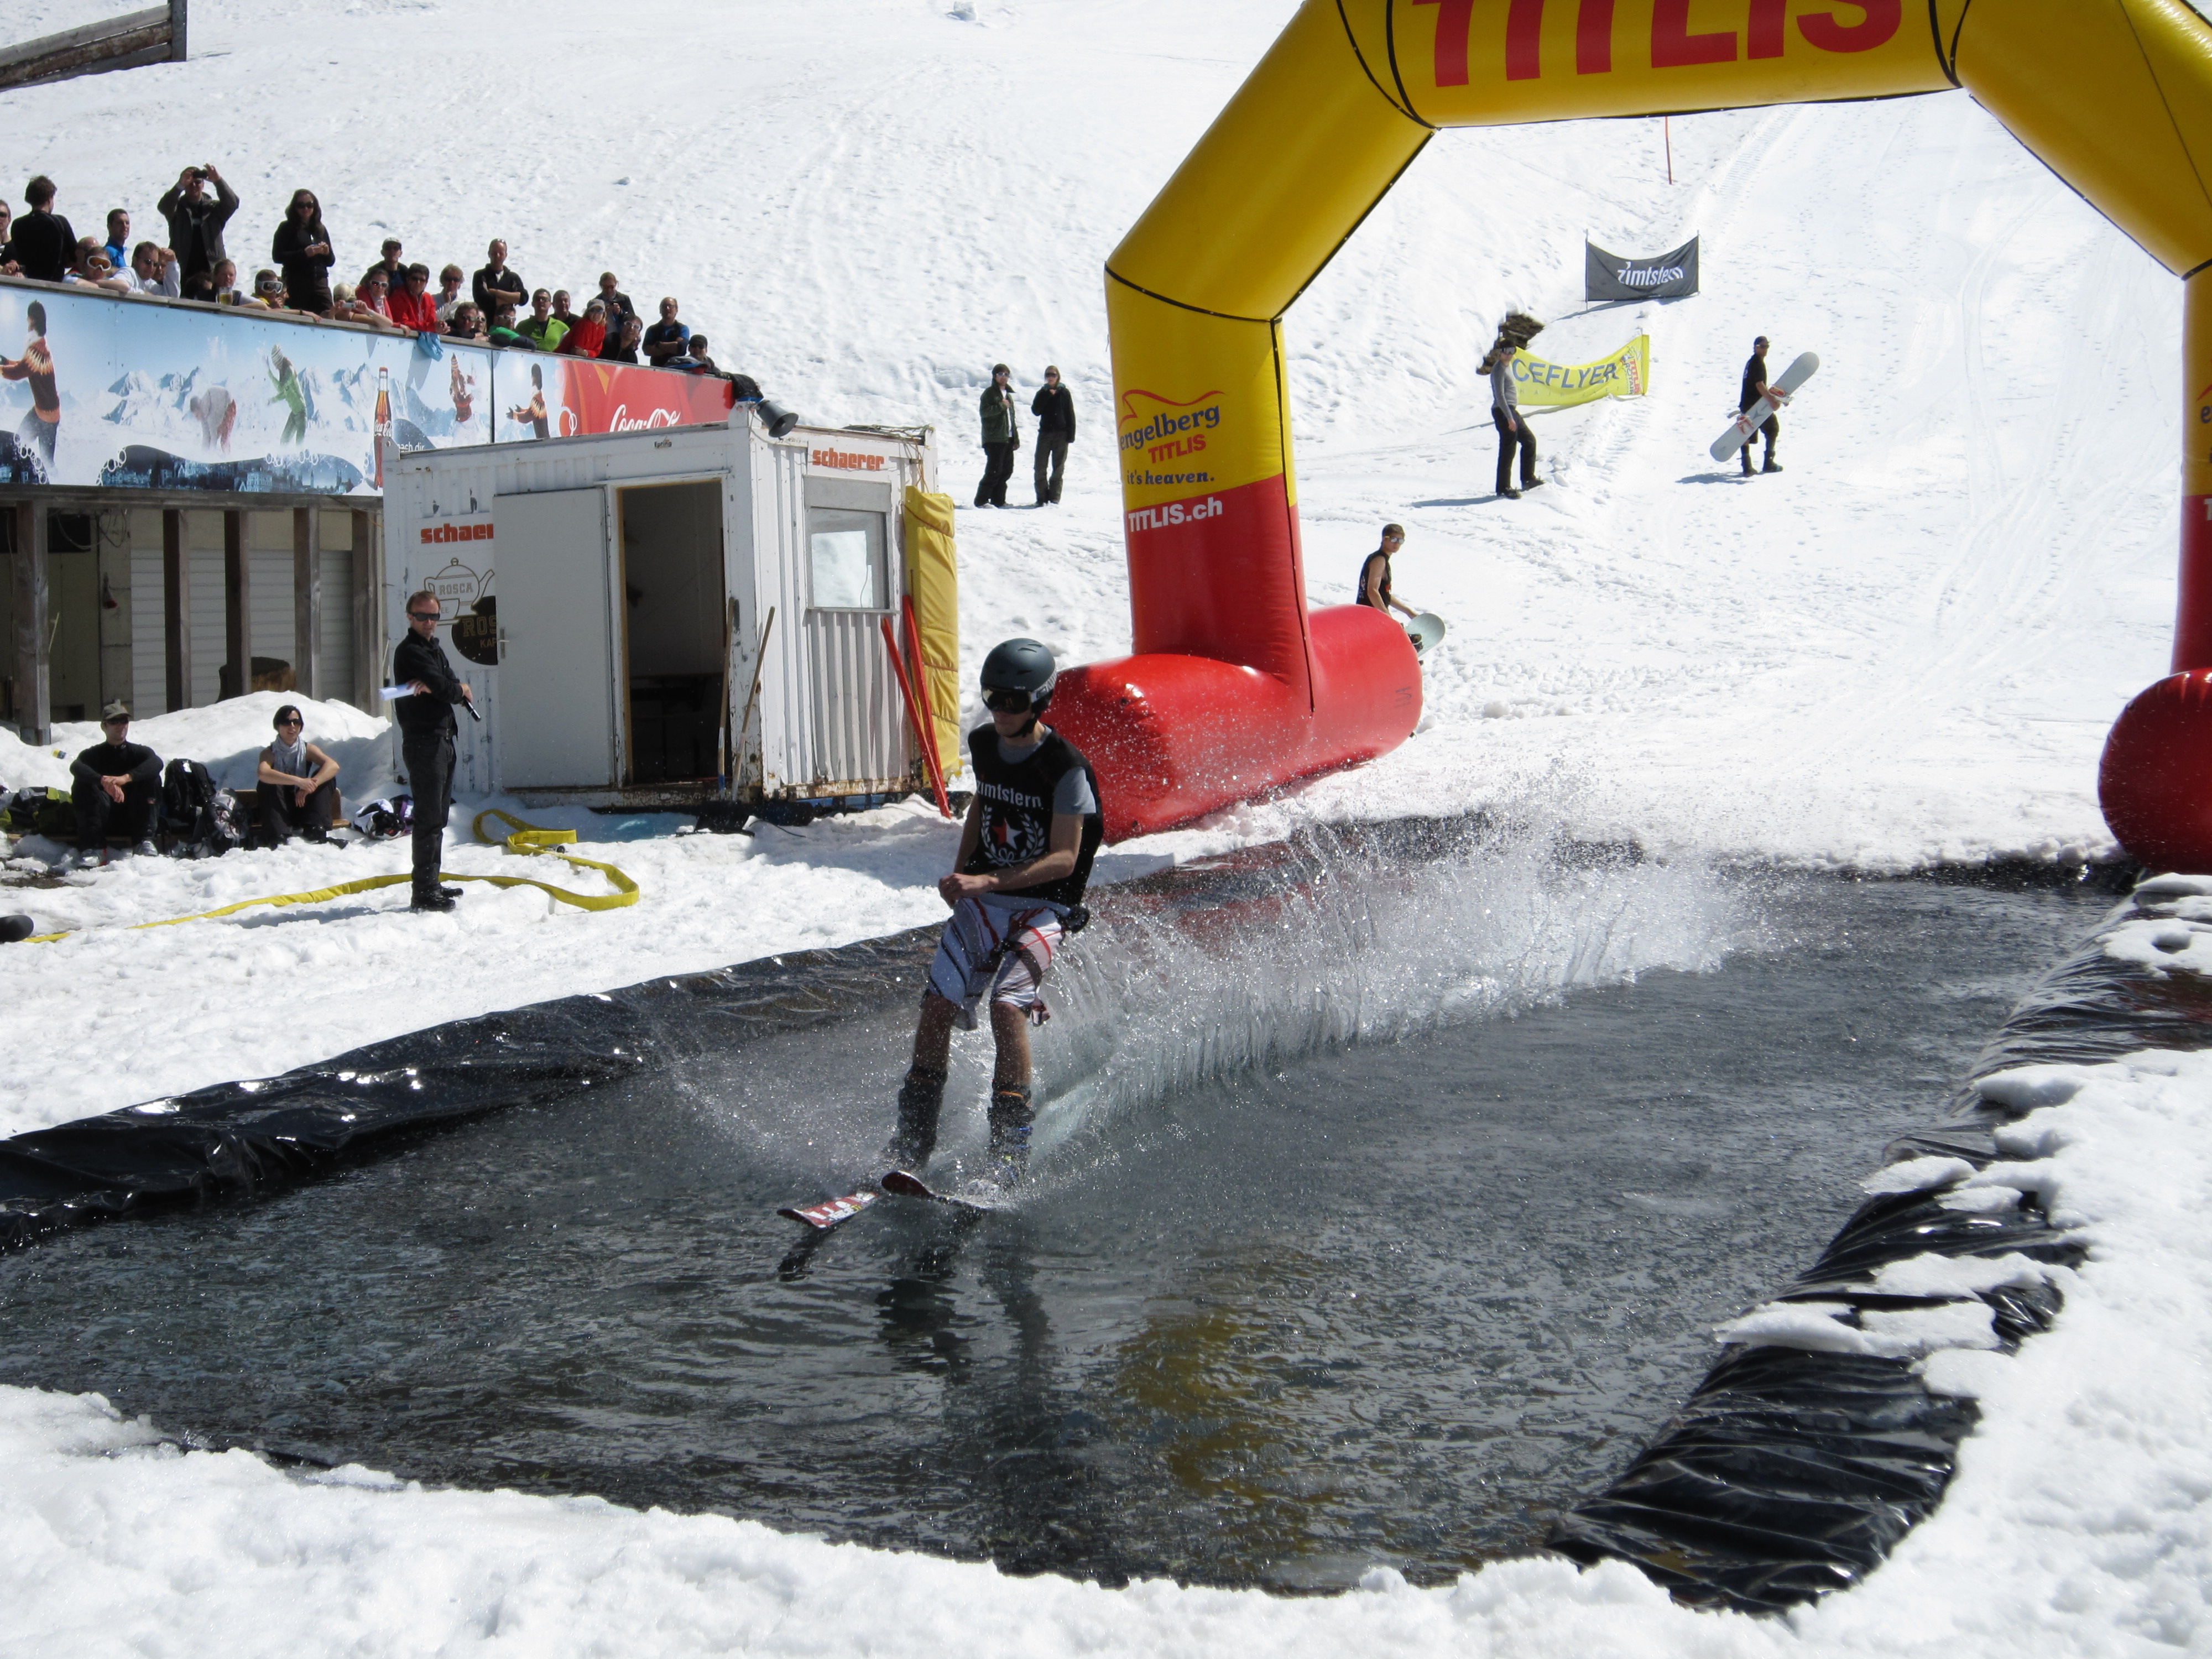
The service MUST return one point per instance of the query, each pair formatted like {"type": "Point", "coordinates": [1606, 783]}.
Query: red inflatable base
{"type": "Point", "coordinates": [2155, 780]}
{"type": "Point", "coordinates": [1174, 738]}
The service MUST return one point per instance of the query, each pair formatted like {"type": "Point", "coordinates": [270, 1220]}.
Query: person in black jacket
{"type": "Point", "coordinates": [1054, 408]}
{"type": "Point", "coordinates": [495, 285]}
{"type": "Point", "coordinates": [195, 222]}
{"type": "Point", "coordinates": [1002, 436]}
{"type": "Point", "coordinates": [302, 248]}
{"type": "Point", "coordinates": [115, 782]}
{"type": "Point", "coordinates": [1755, 388]}
{"type": "Point", "coordinates": [42, 243]}
{"type": "Point", "coordinates": [426, 731]}
{"type": "Point", "coordinates": [1017, 886]}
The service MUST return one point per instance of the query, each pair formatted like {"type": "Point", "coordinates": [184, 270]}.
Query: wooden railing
{"type": "Point", "coordinates": [155, 35]}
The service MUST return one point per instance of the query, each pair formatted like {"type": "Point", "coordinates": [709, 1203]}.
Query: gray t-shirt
{"type": "Point", "coordinates": [1504, 390]}
{"type": "Point", "coordinates": [1073, 795]}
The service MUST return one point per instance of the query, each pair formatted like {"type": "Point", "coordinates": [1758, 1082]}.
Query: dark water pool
{"type": "Point", "coordinates": [1394, 1301]}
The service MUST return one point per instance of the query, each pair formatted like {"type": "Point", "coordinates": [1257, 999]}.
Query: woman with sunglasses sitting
{"type": "Point", "coordinates": [297, 784]}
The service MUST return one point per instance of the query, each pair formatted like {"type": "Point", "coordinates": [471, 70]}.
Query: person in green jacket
{"type": "Point", "coordinates": [1002, 436]}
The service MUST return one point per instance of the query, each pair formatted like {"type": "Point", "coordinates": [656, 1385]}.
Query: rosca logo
{"type": "Point", "coordinates": [1765, 34]}
{"type": "Point", "coordinates": [848, 460]}
{"type": "Point", "coordinates": [457, 533]}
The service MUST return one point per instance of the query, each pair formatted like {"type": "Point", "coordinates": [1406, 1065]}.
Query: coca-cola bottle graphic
{"type": "Point", "coordinates": [383, 420]}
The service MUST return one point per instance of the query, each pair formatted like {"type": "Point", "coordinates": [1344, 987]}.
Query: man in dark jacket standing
{"type": "Point", "coordinates": [115, 780]}
{"type": "Point", "coordinates": [426, 741]}
{"type": "Point", "coordinates": [42, 243]}
{"type": "Point", "coordinates": [195, 222]}
{"type": "Point", "coordinates": [1054, 408]}
{"type": "Point", "coordinates": [495, 285]}
{"type": "Point", "coordinates": [1002, 436]}
{"type": "Point", "coordinates": [1755, 388]}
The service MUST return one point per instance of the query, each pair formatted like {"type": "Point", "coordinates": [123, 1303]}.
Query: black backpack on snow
{"type": "Point", "coordinates": [198, 813]}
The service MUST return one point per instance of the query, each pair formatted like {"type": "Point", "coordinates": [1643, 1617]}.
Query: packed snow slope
{"type": "Point", "coordinates": [1904, 648]}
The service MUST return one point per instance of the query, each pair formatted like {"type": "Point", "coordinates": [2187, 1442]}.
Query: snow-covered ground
{"type": "Point", "coordinates": [1904, 648]}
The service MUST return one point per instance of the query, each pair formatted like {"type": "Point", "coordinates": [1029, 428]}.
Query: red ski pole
{"type": "Point", "coordinates": [922, 683]}
{"type": "Point", "coordinates": [913, 713]}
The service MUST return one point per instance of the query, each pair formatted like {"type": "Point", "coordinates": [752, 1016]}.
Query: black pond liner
{"type": "Point", "coordinates": [1790, 1474]}
{"type": "Point", "coordinates": [1786, 1475]}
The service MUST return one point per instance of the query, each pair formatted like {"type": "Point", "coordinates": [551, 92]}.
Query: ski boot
{"type": "Point", "coordinates": [1011, 1117]}
{"type": "Point", "coordinates": [920, 1098]}
{"type": "Point", "coordinates": [1772, 465]}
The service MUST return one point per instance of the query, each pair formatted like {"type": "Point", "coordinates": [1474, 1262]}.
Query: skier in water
{"type": "Point", "coordinates": [1016, 887]}
{"type": "Point", "coordinates": [1755, 388]}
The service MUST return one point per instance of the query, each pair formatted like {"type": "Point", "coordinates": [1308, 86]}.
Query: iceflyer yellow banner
{"type": "Point", "coordinates": [1625, 373]}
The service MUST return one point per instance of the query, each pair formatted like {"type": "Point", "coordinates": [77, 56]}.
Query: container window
{"type": "Point", "coordinates": [846, 555]}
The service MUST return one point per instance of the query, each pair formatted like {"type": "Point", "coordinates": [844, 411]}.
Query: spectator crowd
{"type": "Point", "coordinates": [497, 309]}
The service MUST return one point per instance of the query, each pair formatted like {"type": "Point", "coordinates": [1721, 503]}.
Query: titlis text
{"type": "Point", "coordinates": [1176, 513]}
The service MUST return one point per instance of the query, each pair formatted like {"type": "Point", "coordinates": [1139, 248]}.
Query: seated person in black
{"type": "Point", "coordinates": [116, 785]}
{"type": "Point", "coordinates": [296, 784]}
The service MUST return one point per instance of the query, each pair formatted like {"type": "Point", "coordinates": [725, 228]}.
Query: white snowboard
{"type": "Point", "coordinates": [1425, 630]}
{"type": "Point", "coordinates": [1777, 393]}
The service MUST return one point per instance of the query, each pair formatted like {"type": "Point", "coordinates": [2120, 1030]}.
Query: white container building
{"type": "Point", "coordinates": [648, 617]}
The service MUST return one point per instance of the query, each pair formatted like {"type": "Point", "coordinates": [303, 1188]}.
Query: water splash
{"type": "Point", "coordinates": [1354, 936]}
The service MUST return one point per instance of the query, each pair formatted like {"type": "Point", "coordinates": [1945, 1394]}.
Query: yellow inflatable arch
{"type": "Point", "coordinates": [2114, 95]}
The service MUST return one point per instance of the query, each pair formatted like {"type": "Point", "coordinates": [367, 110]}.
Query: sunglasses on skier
{"type": "Point", "coordinates": [1006, 701]}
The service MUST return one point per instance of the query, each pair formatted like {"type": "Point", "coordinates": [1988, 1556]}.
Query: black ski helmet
{"type": "Point", "coordinates": [1021, 665]}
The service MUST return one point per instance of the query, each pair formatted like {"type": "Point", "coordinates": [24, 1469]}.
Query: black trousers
{"type": "Point", "coordinates": [1770, 429]}
{"type": "Point", "coordinates": [278, 813]}
{"type": "Point", "coordinates": [1052, 450]}
{"type": "Point", "coordinates": [429, 760]}
{"type": "Point", "coordinates": [133, 816]}
{"type": "Point", "coordinates": [1510, 433]}
{"type": "Point", "coordinates": [998, 468]}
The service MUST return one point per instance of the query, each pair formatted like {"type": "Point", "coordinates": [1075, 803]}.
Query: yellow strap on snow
{"type": "Point", "coordinates": [525, 838]}
{"type": "Point", "coordinates": [529, 838]}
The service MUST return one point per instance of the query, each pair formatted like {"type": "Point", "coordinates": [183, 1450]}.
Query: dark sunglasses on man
{"type": "Point", "coordinates": [425, 615]}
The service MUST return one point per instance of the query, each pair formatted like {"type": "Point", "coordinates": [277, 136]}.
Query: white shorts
{"type": "Point", "coordinates": [997, 950]}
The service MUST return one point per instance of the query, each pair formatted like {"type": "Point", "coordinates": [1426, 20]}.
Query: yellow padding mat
{"type": "Point", "coordinates": [523, 838]}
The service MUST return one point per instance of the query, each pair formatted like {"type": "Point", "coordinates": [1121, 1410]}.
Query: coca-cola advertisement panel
{"type": "Point", "coordinates": [102, 390]}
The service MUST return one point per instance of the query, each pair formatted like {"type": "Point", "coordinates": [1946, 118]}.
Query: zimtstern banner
{"type": "Point", "coordinates": [1614, 277]}
{"type": "Point", "coordinates": [1624, 373]}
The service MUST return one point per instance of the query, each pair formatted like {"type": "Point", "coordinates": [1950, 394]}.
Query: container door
{"type": "Point", "coordinates": [856, 734]}
{"type": "Point", "coordinates": [556, 702]}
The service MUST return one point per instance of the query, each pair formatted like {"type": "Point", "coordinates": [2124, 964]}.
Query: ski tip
{"type": "Point", "coordinates": [831, 1211]}
{"type": "Point", "coordinates": [906, 1186]}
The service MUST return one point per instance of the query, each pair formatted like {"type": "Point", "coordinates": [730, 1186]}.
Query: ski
{"type": "Point", "coordinates": [829, 1212]}
{"type": "Point", "coordinates": [913, 1186]}
{"type": "Point", "coordinates": [1777, 394]}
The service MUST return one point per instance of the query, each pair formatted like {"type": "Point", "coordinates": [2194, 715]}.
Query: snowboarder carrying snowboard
{"type": "Point", "coordinates": [1017, 886]}
{"type": "Point", "coordinates": [1755, 388]}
